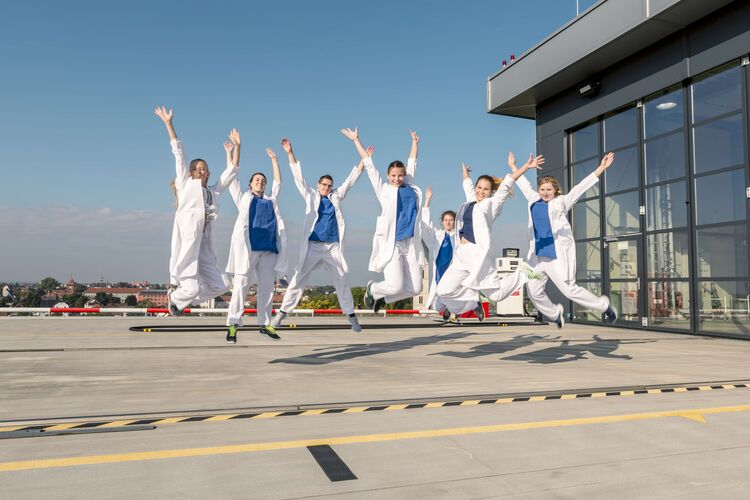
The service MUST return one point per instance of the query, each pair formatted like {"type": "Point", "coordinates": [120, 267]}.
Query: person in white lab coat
{"type": "Point", "coordinates": [552, 249]}
{"type": "Point", "coordinates": [441, 243]}
{"type": "Point", "coordinates": [194, 272]}
{"type": "Point", "coordinates": [323, 235]}
{"type": "Point", "coordinates": [397, 243]}
{"type": "Point", "coordinates": [258, 252]}
{"type": "Point", "coordinates": [472, 270]}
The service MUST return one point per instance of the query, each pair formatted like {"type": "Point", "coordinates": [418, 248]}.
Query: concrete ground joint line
{"type": "Point", "coordinates": [355, 439]}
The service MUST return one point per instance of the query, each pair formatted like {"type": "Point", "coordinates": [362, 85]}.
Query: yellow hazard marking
{"type": "Point", "coordinates": [598, 394]}
{"type": "Point", "coordinates": [627, 393]}
{"type": "Point", "coordinates": [396, 407]}
{"type": "Point", "coordinates": [683, 389]}
{"type": "Point", "coordinates": [268, 414]}
{"type": "Point", "coordinates": [216, 418]}
{"type": "Point", "coordinates": [355, 409]}
{"type": "Point", "coordinates": [470, 402]}
{"type": "Point", "coordinates": [503, 401]}
{"type": "Point", "coordinates": [61, 427]}
{"type": "Point", "coordinates": [656, 391]}
{"type": "Point", "coordinates": [314, 412]}
{"type": "Point", "coordinates": [537, 398]}
{"type": "Point", "coordinates": [434, 405]}
{"type": "Point", "coordinates": [696, 414]}
{"type": "Point", "coordinates": [116, 423]}
{"type": "Point", "coordinates": [568, 396]}
{"type": "Point", "coordinates": [11, 429]}
{"type": "Point", "coordinates": [170, 420]}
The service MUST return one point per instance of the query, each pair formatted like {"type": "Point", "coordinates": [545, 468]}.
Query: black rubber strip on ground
{"type": "Point", "coordinates": [331, 463]}
{"type": "Point", "coordinates": [222, 328]}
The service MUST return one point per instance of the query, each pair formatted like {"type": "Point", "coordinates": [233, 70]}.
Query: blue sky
{"type": "Point", "coordinates": [86, 164]}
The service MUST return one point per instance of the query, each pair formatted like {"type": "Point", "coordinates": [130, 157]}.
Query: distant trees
{"type": "Point", "coordinates": [106, 299]}
{"type": "Point", "coordinates": [131, 301]}
{"type": "Point", "coordinates": [48, 284]}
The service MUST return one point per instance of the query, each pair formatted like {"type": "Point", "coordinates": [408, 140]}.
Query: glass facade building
{"type": "Point", "coordinates": [664, 232]}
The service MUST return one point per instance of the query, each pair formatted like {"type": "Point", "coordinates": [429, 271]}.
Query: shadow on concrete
{"type": "Point", "coordinates": [490, 348]}
{"type": "Point", "coordinates": [566, 352]}
{"type": "Point", "coordinates": [336, 354]}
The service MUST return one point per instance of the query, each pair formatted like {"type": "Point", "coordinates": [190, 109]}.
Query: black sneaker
{"type": "Point", "coordinates": [369, 299]}
{"type": "Point", "coordinates": [610, 315]}
{"type": "Point", "coordinates": [378, 305]}
{"type": "Point", "coordinates": [269, 331]}
{"type": "Point", "coordinates": [446, 315]}
{"type": "Point", "coordinates": [232, 334]}
{"type": "Point", "coordinates": [479, 311]}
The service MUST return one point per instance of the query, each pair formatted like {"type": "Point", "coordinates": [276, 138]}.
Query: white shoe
{"type": "Point", "coordinates": [560, 321]}
{"type": "Point", "coordinates": [276, 321]}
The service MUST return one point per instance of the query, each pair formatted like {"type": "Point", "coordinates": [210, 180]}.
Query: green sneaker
{"type": "Point", "coordinates": [232, 334]}
{"type": "Point", "coordinates": [529, 271]}
{"type": "Point", "coordinates": [270, 332]}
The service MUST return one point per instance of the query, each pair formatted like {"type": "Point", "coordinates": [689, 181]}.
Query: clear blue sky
{"type": "Point", "coordinates": [86, 165]}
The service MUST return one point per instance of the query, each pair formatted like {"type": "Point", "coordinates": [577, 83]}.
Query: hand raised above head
{"type": "Point", "coordinates": [607, 160]}
{"type": "Point", "coordinates": [286, 144]}
{"type": "Point", "coordinates": [271, 154]}
{"type": "Point", "coordinates": [228, 146]}
{"type": "Point", "coordinates": [234, 136]}
{"type": "Point", "coordinates": [370, 150]}
{"type": "Point", "coordinates": [534, 162]}
{"type": "Point", "coordinates": [350, 134]}
{"type": "Point", "coordinates": [414, 136]}
{"type": "Point", "coordinates": [162, 113]}
{"type": "Point", "coordinates": [512, 161]}
{"type": "Point", "coordinates": [428, 193]}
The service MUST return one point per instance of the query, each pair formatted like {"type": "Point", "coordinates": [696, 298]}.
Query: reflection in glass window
{"type": "Point", "coordinates": [667, 255]}
{"type": "Point", "coordinates": [621, 214]}
{"type": "Point", "coordinates": [624, 296]}
{"type": "Point", "coordinates": [588, 260]}
{"type": "Point", "coordinates": [717, 94]}
{"type": "Point", "coordinates": [586, 219]}
{"type": "Point", "coordinates": [581, 313]}
{"type": "Point", "coordinates": [666, 206]}
{"type": "Point", "coordinates": [664, 113]}
{"type": "Point", "coordinates": [584, 143]}
{"type": "Point", "coordinates": [722, 251]}
{"type": "Point", "coordinates": [623, 259]}
{"type": "Point", "coordinates": [720, 197]}
{"type": "Point", "coordinates": [669, 304]}
{"type": "Point", "coordinates": [623, 174]}
{"type": "Point", "coordinates": [719, 144]}
{"type": "Point", "coordinates": [723, 307]}
{"type": "Point", "coordinates": [621, 129]}
{"type": "Point", "coordinates": [665, 158]}
{"type": "Point", "coordinates": [581, 171]}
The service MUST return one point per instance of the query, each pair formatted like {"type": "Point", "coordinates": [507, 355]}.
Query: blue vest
{"type": "Point", "coordinates": [444, 257]}
{"type": "Point", "coordinates": [262, 226]}
{"type": "Point", "coordinates": [406, 213]}
{"type": "Point", "coordinates": [326, 228]}
{"type": "Point", "coordinates": [467, 230]}
{"type": "Point", "coordinates": [544, 242]}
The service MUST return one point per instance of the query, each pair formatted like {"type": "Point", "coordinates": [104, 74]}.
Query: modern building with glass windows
{"type": "Point", "coordinates": [663, 84]}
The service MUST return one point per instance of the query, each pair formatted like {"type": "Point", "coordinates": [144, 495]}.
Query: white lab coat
{"type": "Point", "coordinates": [484, 215]}
{"type": "Point", "coordinates": [189, 220]}
{"type": "Point", "coordinates": [312, 202]}
{"type": "Point", "coordinates": [433, 237]}
{"type": "Point", "coordinates": [384, 239]}
{"type": "Point", "coordinates": [239, 249]}
{"type": "Point", "coordinates": [565, 245]}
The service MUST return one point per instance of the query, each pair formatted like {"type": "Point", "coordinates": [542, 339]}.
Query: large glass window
{"type": "Point", "coordinates": [666, 206]}
{"type": "Point", "coordinates": [582, 170]}
{"type": "Point", "coordinates": [665, 158]}
{"type": "Point", "coordinates": [719, 144]}
{"type": "Point", "coordinates": [585, 143]}
{"type": "Point", "coordinates": [720, 197]}
{"type": "Point", "coordinates": [585, 313]}
{"type": "Point", "coordinates": [663, 113]}
{"type": "Point", "coordinates": [722, 251]}
{"type": "Point", "coordinates": [717, 93]}
{"type": "Point", "coordinates": [723, 307]}
{"type": "Point", "coordinates": [623, 174]}
{"type": "Point", "coordinates": [624, 296]}
{"type": "Point", "coordinates": [586, 219]}
{"type": "Point", "coordinates": [588, 260]}
{"type": "Point", "coordinates": [667, 255]}
{"type": "Point", "coordinates": [621, 214]}
{"type": "Point", "coordinates": [621, 129]}
{"type": "Point", "coordinates": [669, 304]}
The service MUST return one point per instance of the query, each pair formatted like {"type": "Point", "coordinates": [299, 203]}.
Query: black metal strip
{"type": "Point", "coordinates": [331, 463]}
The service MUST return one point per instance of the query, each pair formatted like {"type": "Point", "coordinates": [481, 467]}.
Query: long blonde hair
{"type": "Point", "coordinates": [496, 181]}
{"type": "Point", "coordinates": [548, 179]}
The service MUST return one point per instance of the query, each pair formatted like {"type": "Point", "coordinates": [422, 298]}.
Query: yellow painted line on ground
{"type": "Point", "coordinates": [434, 405]}
{"type": "Point", "coordinates": [314, 412]}
{"type": "Point", "coordinates": [170, 420]}
{"type": "Point", "coordinates": [61, 427]}
{"type": "Point", "coordinates": [116, 423]}
{"type": "Point", "coordinates": [537, 398]}
{"type": "Point", "coordinates": [396, 407]}
{"type": "Point", "coordinates": [627, 393]}
{"type": "Point", "coordinates": [683, 389]}
{"type": "Point", "coordinates": [269, 414]}
{"type": "Point", "coordinates": [656, 391]}
{"type": "Point", "coordinates": [470, 402]}
{"type": "Point", "coordinates": [696, 414]}
{"type": "Point", "coordinates": [728, 386]}
{"type": "Point", "coordinates": [11, 429]}
{"type": "Point", "coordinates": [355, 409]}
{"type": "Point", "coordinates": [568, 396]}
{"type": "Point", "coordinates": [217, 418]}
{"type": "Point", "coordinates": [503, 401]}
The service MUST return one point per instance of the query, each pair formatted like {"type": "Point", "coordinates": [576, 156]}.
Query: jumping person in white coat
{"type": "Point", "coordinates": [193, 269]}
{"type": "Point", "coordinates": [258, 250]}
{"type": "Point", "coordinates": [441, 243]}
{"type": "Point", "coordinates": [322, 238]}
{"type": "Point", "coordinates": [472, 271]}
{"type": "Point", "coordinates": [552, 249]}
{"type": "Point", "coordinates": [397, 242]}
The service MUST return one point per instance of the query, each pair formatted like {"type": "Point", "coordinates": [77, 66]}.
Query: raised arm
{"type": "Point", "coordinates": [229, 174]}
{"type": "Point", "coordinates": [349, 182]}
{"type": "Point", "coordinates": [579, 189]}
{"type": "Point", "coordinates": [182, 170]}
{"type": "Point", "coordinates": [296, 168]}
{"type": "Point", "coordinates": [276, 186]}
{"type": "Point", "coordinates": [414, 145]}
{"type": "Point", "coordinates": [532, 162]}
{"type": "Point", "coordinates": [234, 136]}
{"type": "Point", "coordinates": [467, 183]}
{"type": "Point", "coordinates": [524, 185]}
{"type": "Point", "coordinates": [411, 163]}
{"type": "Point", "coordinates": [353, 135]}
{"type": "Point", "coordinates": [166, 117]}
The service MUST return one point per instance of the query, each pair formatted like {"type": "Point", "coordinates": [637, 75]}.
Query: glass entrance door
{"type": "Point", "coordinates": [622, 280]}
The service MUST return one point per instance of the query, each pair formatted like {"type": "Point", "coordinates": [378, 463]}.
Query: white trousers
{"type": "Point", "coordinates": [210, 282]}
{"type": "Point", "coordinates": [402, 277]}
{"type": "Point", "coordinates": [261, 264]}
{"type": "Point", "coordinates": [328, 256]}
{"type": "Point", "coordinates": [459, 299]}
{"type": "Point", "coordinates": [554, 270]}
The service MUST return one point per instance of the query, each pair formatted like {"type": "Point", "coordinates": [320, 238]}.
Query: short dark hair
{"type": "Point", "coordinates": [448, 212]}
{"type": "Point", "coordinates": [194, 164]}
{"type": "Point", "coordinates": [325, 177]}
{"type": "Point", "coordinates": [257, 173]}
{"type": "Point", "coordinates": [396, 164]}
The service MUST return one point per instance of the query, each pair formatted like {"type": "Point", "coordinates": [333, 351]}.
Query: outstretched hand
{"type": "Point", "coordinates": [234, 136]}
{"type": "Point", "coordinates": [466, 170]}
{"type": "Point", "coordinates": [607, 161]}
{"type": "Point", "coordinates": [350, 134]}
{"type": "Point", "coordinates": [228, 146]}
{"type": "Point", "coordinates": [286, 145]}
{"type": "Point", "coordinates": [161, 112]}
{"type": "Point", "coordinates": [370, 150]}
{"type": "Point", "coordinates": [428, 193]}
{"type": "Point", "coordinates": [414, 136]}
{"type": "Point", "coordinates": [271, 154]}
{"type": "Point", "coordinates": [512, 161]}
{"type": "Point", "coordinates": [533, 162]}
